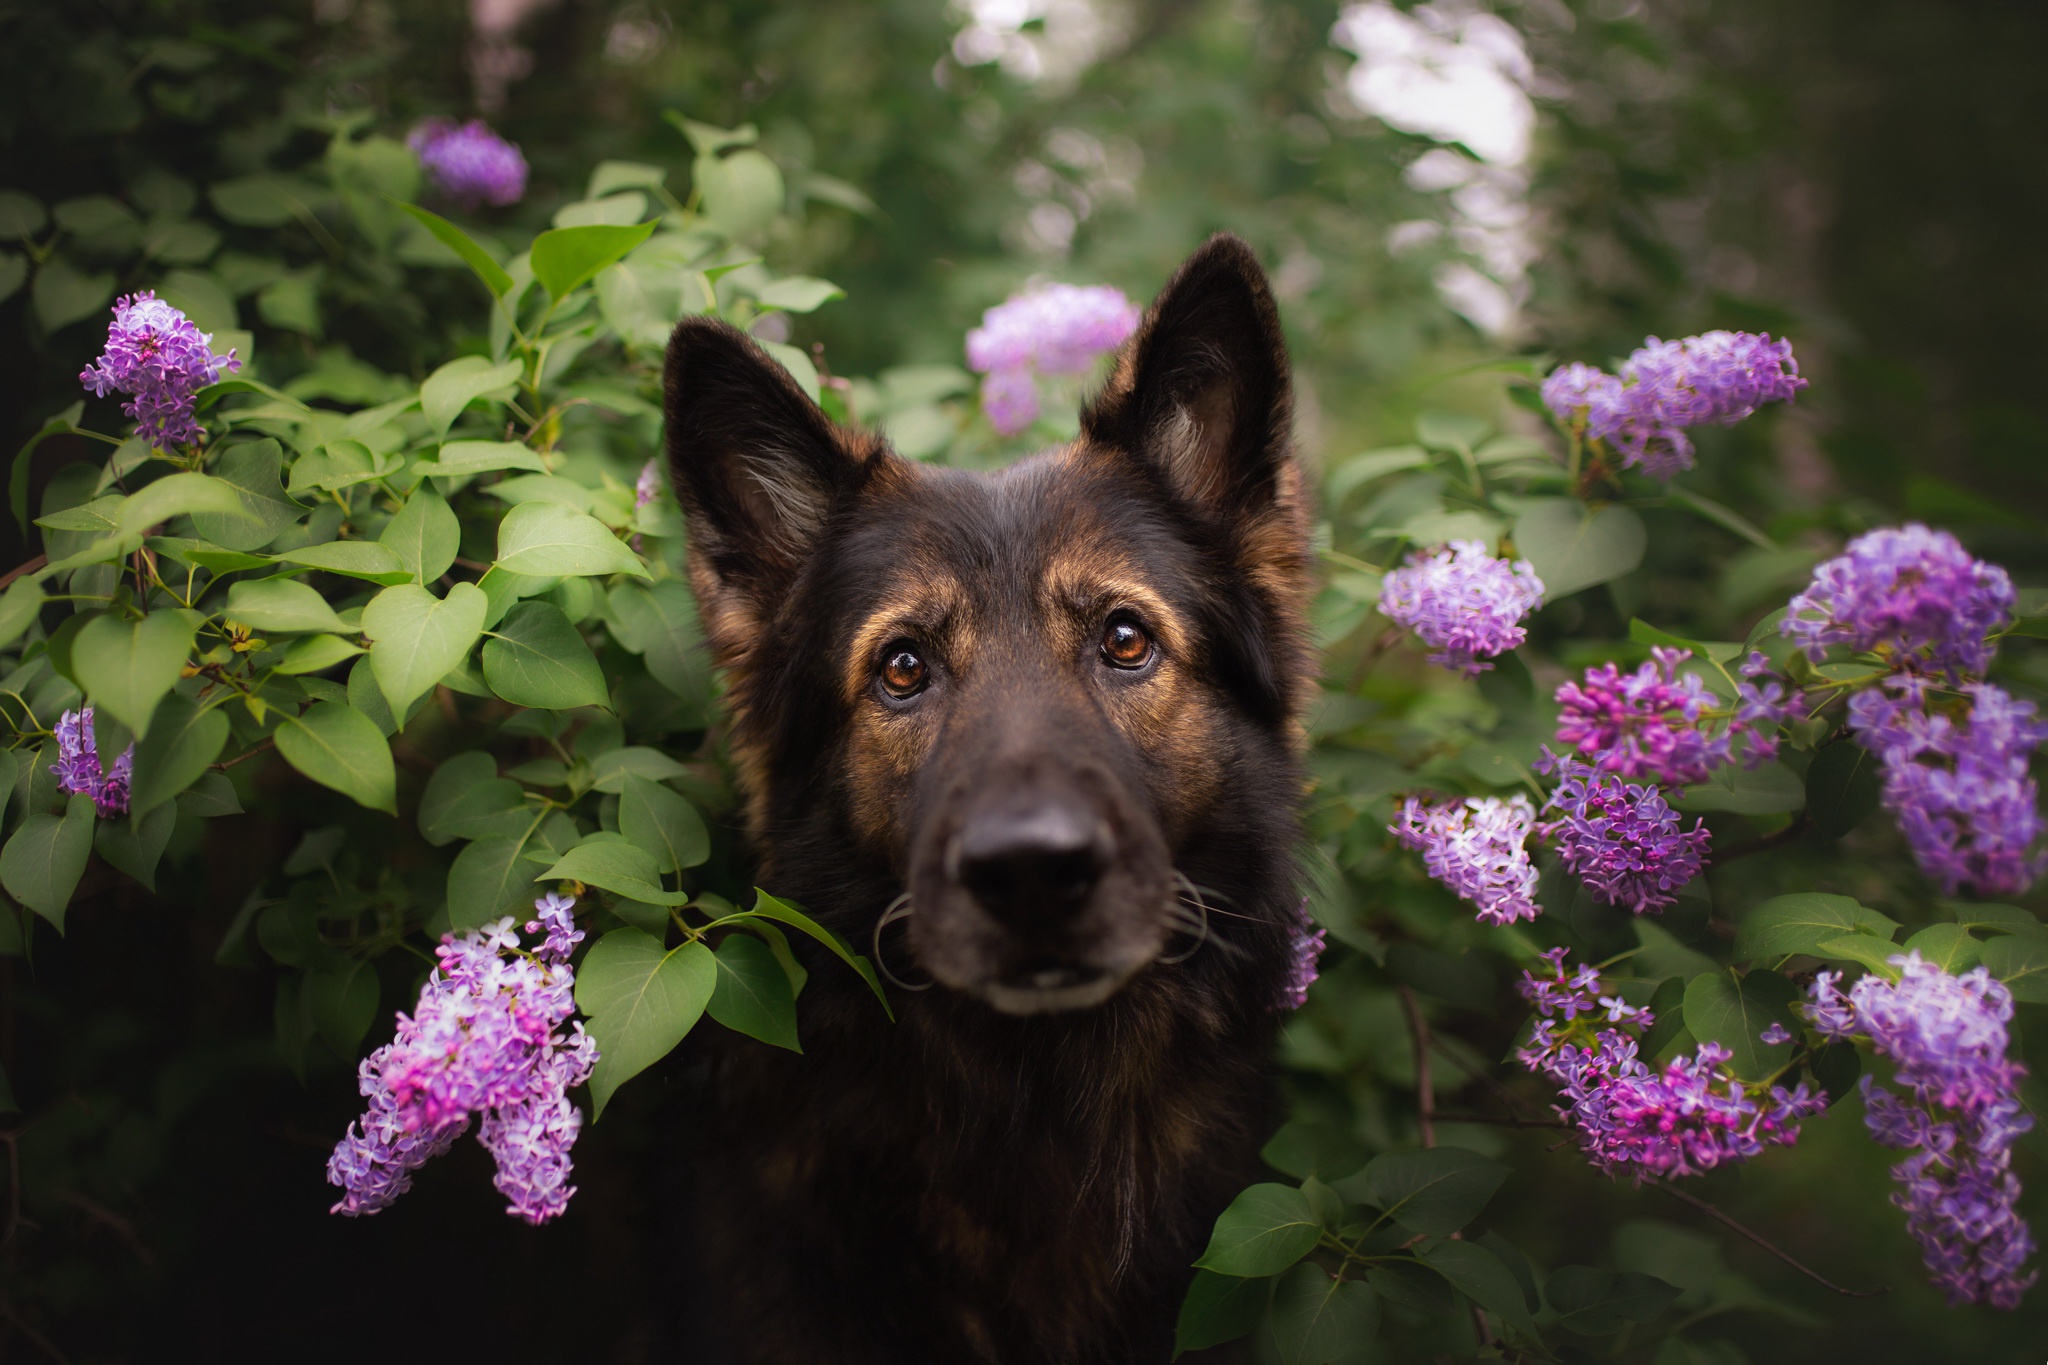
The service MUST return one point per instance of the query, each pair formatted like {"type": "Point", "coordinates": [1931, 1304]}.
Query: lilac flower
{"type": "Point", "coordinates": [155, 354]}
{"type": "Point", "coordinates": [1642, 724]}
{"type": "Point", "coordinates": [1667, 386]}
{"type": "Point", "coordinates": [1777, 1033]}
{"type": "Point", "coordinates": [1959, 1116]}
{"type": "Point", "coordinates": [468, 162]}
{"type": "Point", "coordinates": [1958, 786]}
{"type": "Point", "coordinates": [78, 766]}
{"type": "Point", "coordinates": [485, 1038]}
{"type": "Point", "coordinates": [1623, 841]}
{"type": "Point", "coordinates": [1476, 848]}
{"type": "Point", "coordinates": [1904, 590]}
{"type": "Point", "coordinates": [1569, 995]}
{"type": "Point", "coordinates": [648, 486]}
{"type": "Point", "coordinates": [1052, 329]}
{"type": "Point", "coordinates": [1308, 939]}
{"type": "Point", "coordinates": [1463, 602]}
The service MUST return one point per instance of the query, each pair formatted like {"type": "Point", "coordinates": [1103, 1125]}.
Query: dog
{"type": "Point", "coordinates": [1034, 735]}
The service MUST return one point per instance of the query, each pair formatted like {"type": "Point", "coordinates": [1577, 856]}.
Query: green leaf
{"type": "Point", "coordinates": [127, 666]}
{"type": "Point", "coordinates": [1804, 920]}
{"type": "Point", "coordinates": [1948, 946]}
{"type": "Point", "coordinates": [1434, 1190]}
{"type": "Point", "coordinates": [1997, 919]}
{"type": "Point", "coordinates": [564, 258]}
{"type": "Point", "coordinates": [753, 994]}
{"type": "Point", "coordinates": [742, 191]}
{"type": "Point", "coordinates": [1599, 1302]}
{"type": "Point", "coordinates": [258, 200]}
{"type": "Point", "coordinates": [536, 658]}
{"type": "Point", "coordinates": [21, 215]}
{"type": "Point", "coordinates": [1772, 789]}
{"type": "Point", "coordinates": [466, 799]}
{"type": "Point", "coordinates": [798, 293]}
{"type": "Point", "coordinates": [315, 654]}
{"type": "Point", "coordinates": [624, 175]}
{"type": "Point", "coordinates": [489, 878]}
{"type": "Point", "coordinates": [181, 494]}
{"type": "Point", "coordinates": [1572, 547]}
{"type": "Point", "coordinates": [1219, 1308]}
{"type": "Point", "coordinates": [461, 458]}
{"type": "Point", "coordinates": [662, 622]}
{"type": "Point", "coordinates": [656, 819]}
{"type": "Point", "coordinates": [1667, 1003]}
{"type": "Point", "coordinates": [1317, 1318]}
{"type": "Point", "coordinates": [423, 534]}
{"type": "Point", "coordinates": [1479, 1275]}
{"type": "Point", "coordinates": [254, 471]}
{"type": "Point", "coordinates": [1265, 1230]}
{"type": "Point", "coordinates": [63, 294]}
{"type": "Point", "coordinates": [283, 606]}
{"type": "Point", "coordinates": [133, 844]}
{"type": "Point", "coordinates": [640, 999]}
{"type": "Point", "coordinates": [616, 866]}
{"type": "Point", "coordinates": [41, 864]}
{"type": "Point", "coordinates": [1843, 787]}
{"type": "Point", "coordinates": [1725, 517]}
{"type": "Point", "coordinates": [417, 638]}
{"type": "Point", "coordinates": [343, 749]}
{"type": "Point", "coordinates": [341, 998]}
{"type": "Point", "coordinates": [455, 239]}
{"type": "Point", "coordinates": [365, 559]}
{"type": "Point", "coordinates": [19, 605]}
{"type": "Point", "coordinates": [1874, 953]}
{"type": "Point", "coordinates": [1643, 633]}
{"type": "Point", "coordinates": [183, 741]}
{"type": "Point", "coordinates": [18, 476]}
{"type": "Point", "coordinates": [459, 383]}
{"type": "Point", "coordinates": [1735, 1010]}
{"type": "Point", "coordinates": [212, 795]}
{"type": "Point", "coordinates": [548, 540]}
{"type": "Point", "coordinates": [2021, 962]}
{"type": "Point", "coordinates": [1836, 1068]}
{"type": "Point", "coordinates": [610, 769]}
{"type": "Point", "coordinates": [768, 907]}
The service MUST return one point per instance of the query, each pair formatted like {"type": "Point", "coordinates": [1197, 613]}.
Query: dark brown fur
{"type": "Point", "coordinates": [970, 1184]}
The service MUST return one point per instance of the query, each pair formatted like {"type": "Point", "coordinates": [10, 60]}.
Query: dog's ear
{"type": "Point", "coordinates": [1200, 394]}
{"type": "Point", "coordinates": [757, 467]}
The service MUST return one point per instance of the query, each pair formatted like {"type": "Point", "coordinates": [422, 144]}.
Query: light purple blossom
{"type": "Point", "coordinates": [1958, 785]}
{"type": "Point", "coordinates": [1623, 841]}
{"type": "Point", "coordinates": [157, 356]}
{"type": "Point", "coordinates": [1668, 386]}
{"type": "Point", "coordinates": [1308, 940]}
{"type": "Point", "coordinates": [1642, 724]}
{"type": "Point", "coordinates": [1051, 329]}
{"type": "Point", "coordinates": [1464, 603]}
{"type": "Point", "coordinates": [1905, 590]}
{"type": "Point", "coordinates": [1476, 847]}
{"type": "Point", "coordinates": [468, 162]}
{"type": "Point", "coordinates": [487, 1039]}
{"type": "Point", "coordinates": [1777, 1033]}
{"type": "Point", "coordinates": [648, 486]}
{"type": "Point", "coordinates": [1959, 1116]}
{"type": "Point", "coordinates": [78, 766]}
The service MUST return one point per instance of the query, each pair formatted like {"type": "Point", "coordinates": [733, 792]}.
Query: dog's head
{"type": "Point", "coordinates": [1041, 702]}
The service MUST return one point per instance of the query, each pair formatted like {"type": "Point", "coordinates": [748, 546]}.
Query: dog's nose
{"type": "Point", "coordinates": [1031, 865]}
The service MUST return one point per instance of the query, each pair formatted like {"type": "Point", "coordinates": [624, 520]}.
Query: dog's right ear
{"type": "Point", "coordinates": [757, 467]}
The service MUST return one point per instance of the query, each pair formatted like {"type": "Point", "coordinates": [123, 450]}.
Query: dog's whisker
{"type": "Point", "coordinates": [900, 908]}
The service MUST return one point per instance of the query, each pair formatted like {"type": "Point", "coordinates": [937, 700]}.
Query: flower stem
{"type": "Point", "coordinates": [1708, 1209]}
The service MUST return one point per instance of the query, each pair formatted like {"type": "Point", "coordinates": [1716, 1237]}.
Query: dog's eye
{"type": "Point", "coordinates": [903, 672]}
{"type": "Point", "coordinates": [1125, 643]}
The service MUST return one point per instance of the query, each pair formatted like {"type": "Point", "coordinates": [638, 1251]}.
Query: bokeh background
{"type": "Point", "coordinates": [1434, 187]}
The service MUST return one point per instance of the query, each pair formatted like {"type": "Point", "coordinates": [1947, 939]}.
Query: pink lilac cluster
{"type": "Point", "coordinates": [1477, 848]}
{"type": "Point", "coordinates": [1464, 603]}
{"type": "Point", "coordinates": [487, 1039]}
{"type": "Point", "coordinates": [156, 355]}
{"type": "Point", "coordinates": [1622, 840]}
{"type": "Point", "coordinates": [1668, 386]}
{"type": "Point", "coordinates": [1907, 590]}
{"type": "Point", "coordinates": [1308, 940]}
{"type": "Point", "coordinates": [1689, 1118]}
{"type": "Point", "coordinates": [1959, 1116]}
{"type": "Point", "coordinates": [469, 163]}
{"type": "Point", "coordinates": [1958, 784]}
{"type": "Point", "coordinates": [78, 766]}
{"type": "Point", "coordinates": [1643, 724]}
{"type": "Point", "coordinates": [648, 486]}
{"type": "Point", "coordinates": [1052, 329]}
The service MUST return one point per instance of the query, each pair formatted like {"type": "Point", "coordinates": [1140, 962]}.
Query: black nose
{"type": "Point", "coordinates": [1031, 865]}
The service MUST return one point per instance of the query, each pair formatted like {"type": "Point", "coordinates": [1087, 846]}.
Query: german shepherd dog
{"type": "Point", "coordinates": [1044, 720]}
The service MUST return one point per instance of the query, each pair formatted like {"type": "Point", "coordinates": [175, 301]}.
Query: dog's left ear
{"type": "Point", "coordinates": [1201, 393]}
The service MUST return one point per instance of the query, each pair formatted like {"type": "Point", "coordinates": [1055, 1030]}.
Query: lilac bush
{"type": "Point", "coordinates": [155, 355]}
{"type": "Point", "coordinates": [1622, 840]}
{"type": "Point", "coordinates": [1463, 602]}
{"type": "Point", "coordinates": [78, 767]}
{"type": "Point", "coordinates": [1476, 847]}
{"type": "Point", "coordinates": [1912, 593]}
{"type": "Point", "coordinates": [468, 163]}
{"type": "Point", "coordinates": [1053, 329]}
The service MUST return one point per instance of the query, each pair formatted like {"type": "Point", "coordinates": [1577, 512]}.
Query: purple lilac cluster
{"type": "Point", "coordinates": [1308, 940]}
{"type": "Point", "coordinates": [1053, 329]}
{"type": "Point", "coordinates": [1464, 603]}
{"type": "Point", "coordinates": [1623, 841]}
{"type": "Point", "coordinates": [468, 162]}
{"type": "Point", "coordinates": [1909, 591]}
{"type": "Point", "coordinates": [1667, 386]}
{"type": "Point", "coordinates": [1477, 848]}
{"type": "Point", "coordinates": [78, 766]}
{"type": "Point", "coordinates": [1689, 1118]}
{"type": "Point", "coordinates": [487, 1039]}
{"type": "Point", "coordinates": [1645, 723]}
{"type": "Point", "coordinates": [1958, 784]}
{"type": "Point", "coordinates": [1959, 1116]}
{"type": "Point", "coordinates": [155, 355]}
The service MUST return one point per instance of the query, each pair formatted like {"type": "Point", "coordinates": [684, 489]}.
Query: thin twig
{"type": "Point", "coordinates": [1498, 1122]}
{"type": "Point", "coordinates": [120, 1226]}
{"type": "Point", "coordinates": [1776, 839]}
{"type": "Point", "coordinates": [1708, 1209]}
{"type": "Point", "coordinates": [244, 756]}
{"type": "Point", "coordinates": [21, 569]}
{"type": "Point", "coordinates": [1425, 1091]}
{"type": "Point", "coordinates": [42, 1342]}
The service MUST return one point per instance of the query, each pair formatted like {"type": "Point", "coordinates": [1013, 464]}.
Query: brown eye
{"type": "Point", "coordinates": [903, 672]}
{"type": "Point", "coordinates": [1125, 643]}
